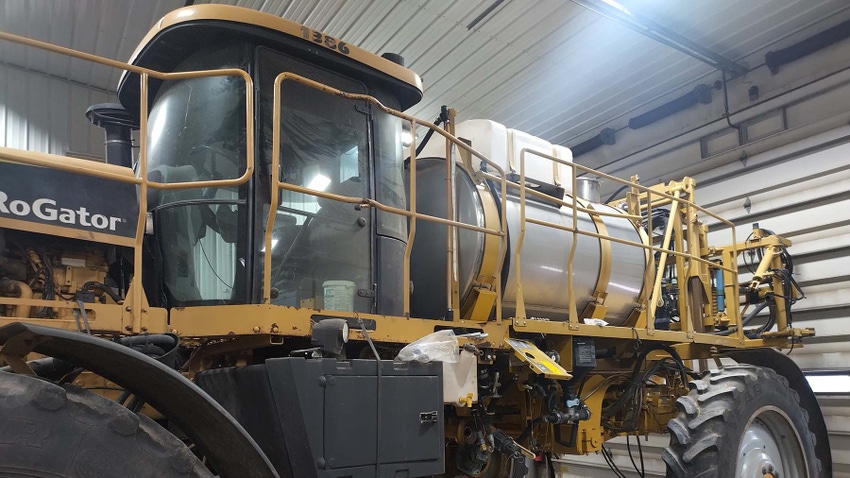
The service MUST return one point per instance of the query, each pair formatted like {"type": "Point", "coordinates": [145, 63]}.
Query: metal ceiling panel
{"type": "Point", "coordinates": [549, 67]}
{"type": "Point", "coordinates": [108, 28]}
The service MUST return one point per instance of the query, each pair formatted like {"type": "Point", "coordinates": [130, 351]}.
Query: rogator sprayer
{"type": "Point", "coordinates": [277, 285]}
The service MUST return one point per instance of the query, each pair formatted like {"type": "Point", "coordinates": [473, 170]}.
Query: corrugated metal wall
{"type": "Point", "coordinates": [107, 28]}
{"type": "Point", "coordinates": [801, 191]}
{"type": "Point", "coordinates": [550, 67]}
{"type": "Point", "coordinates": [47, 114]}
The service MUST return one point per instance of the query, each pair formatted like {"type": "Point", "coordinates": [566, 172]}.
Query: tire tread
{"type": "Point", "coordinates": [101, 437]}
{"type": "Point", "coordinates": [710, 410]}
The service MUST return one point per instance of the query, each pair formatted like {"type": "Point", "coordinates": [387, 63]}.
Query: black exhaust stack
{"type": "Point", "coordinates": [118, 125]}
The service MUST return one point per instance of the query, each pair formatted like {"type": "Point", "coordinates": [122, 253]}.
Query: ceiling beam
{"type": "Point", "coordinates": [484, 14]}
{"type": "Point", "coordinates": [617, 13]}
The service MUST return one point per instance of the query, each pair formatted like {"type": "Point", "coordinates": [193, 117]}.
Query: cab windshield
{"type": "Point", "coordinates": [196, 131]}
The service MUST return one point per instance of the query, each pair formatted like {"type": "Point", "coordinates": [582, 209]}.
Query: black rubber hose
{"type": "Point", "coordinates": [616, 193]}
{"type": "Point", "coordinates": [522, 436]}
{"type": "Point", "coordinates": [442, 118]}
{"type": "Point", "coordinates": [161, 347]}
{"type": "Point", "coordinates": [106, 290]}
{"type": "Point", "coordinates": [48, 367]}
{"type": "Point", "coordinates": [550, 406]}
{"type": "Point", "coordinates": [621, 402]}
{"type": "Point", "coordinates": [163, 341]}
{"type": "Point", "coordinates": [771, 320]}
{"type": "Point", "coordinates": [746, 320]}
{"type": "Point", "coordinates": [425, 139]}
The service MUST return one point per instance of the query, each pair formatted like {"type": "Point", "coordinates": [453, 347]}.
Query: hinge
{"type": "Point", "coordinates": [370, 293]}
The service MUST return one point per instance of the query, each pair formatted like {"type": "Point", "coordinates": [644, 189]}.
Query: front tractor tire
{"type": "Point", "coordinates": [741, 421]}
{"type": "Point", "coordinates": [52, 431]}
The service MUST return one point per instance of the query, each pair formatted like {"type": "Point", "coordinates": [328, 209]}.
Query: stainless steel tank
{"type": "Point", "coordinates": [587, 188]}
{"type": "Point", "coordinates": [544, 256]}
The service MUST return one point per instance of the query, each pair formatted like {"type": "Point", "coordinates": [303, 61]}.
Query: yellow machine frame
{"type": "Point", "coordinates": [223, 329]}
{"type": "Point", "coordinates": [135, 316]}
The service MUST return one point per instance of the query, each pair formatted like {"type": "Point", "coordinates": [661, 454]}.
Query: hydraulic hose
{"type": "Point", "coordinates": [442, 118]}
{"type": "Point", "coordinates": [47, 367]}
{"type": "Point", "coordinates": [161, 347]}
{"type": "Point", "coordinates": [771, 320]}
{"type": "Point", "coordinates": [106, 290]}
{"type": "Point", "coordinates": [746, 320]}
{"type": "Point", "coordinates": [634, 382]}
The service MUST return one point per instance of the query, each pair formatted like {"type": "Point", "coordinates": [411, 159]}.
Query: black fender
{"type": "Point", "coordinates": [218, 436]}
{"type": "Point", "coordinates": [786, 367]}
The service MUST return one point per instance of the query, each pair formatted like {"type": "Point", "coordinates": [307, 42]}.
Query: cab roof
{"type": "Point", "coordinates": [183, 31]}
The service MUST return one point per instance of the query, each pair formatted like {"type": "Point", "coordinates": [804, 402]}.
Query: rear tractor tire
{"type": "Point", "coordinates": [741, 421]}
{"type": "Point", "coordinates": [52, 431]}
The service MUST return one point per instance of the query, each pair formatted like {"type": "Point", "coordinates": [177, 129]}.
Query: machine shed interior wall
{"type": "Point", "coordinates": [496, 70]}
{"type": "Point", "coordinates": [799, 191]}
{"type": "Point", "coordinates": [47, 114]}
{"type": "Point", "coordinates": [805, 198]}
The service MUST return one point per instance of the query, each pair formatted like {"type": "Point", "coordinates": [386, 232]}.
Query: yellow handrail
{"type": "Point", "coordinates": [410, 212]}
{"type": "Point", "coordinates": [142, 181]}
{"type": "Point", "coordinates": [136, 305]}
{"type": "Point", "coordinates": [651, 274]}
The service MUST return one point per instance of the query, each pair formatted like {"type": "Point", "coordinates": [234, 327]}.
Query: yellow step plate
{"type": "Point", "coordinates": [539, 361]}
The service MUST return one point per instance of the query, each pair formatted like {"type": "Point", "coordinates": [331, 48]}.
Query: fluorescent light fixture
{"type": "Point", "coordinates": [829, 383]}
{"type": "Point", "coordinates": [617, 6]}
{"type": "Point", "coordinates": [319, 182]}
{"type": "Point", "coordinates": [406, 138]}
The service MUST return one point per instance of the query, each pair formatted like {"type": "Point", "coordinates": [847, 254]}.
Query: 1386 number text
{"type": "Point", "coordinates": [325, 40]}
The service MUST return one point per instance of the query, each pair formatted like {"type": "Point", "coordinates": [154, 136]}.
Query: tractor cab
{"type": "Point", "coordinates": [206, 246]}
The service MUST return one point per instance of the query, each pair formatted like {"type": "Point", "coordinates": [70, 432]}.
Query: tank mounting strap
{"type": "Point", "coordinates": [600, 292]}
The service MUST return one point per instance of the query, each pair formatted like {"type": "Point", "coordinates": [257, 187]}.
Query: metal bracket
{"type": "Point", "coordinates": [17, 364]}
{"type": "Point", "coordinates": [538, 361]}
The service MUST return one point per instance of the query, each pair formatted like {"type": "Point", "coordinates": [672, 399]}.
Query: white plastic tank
{"type": "Point", "coordinates": [504, 145]}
